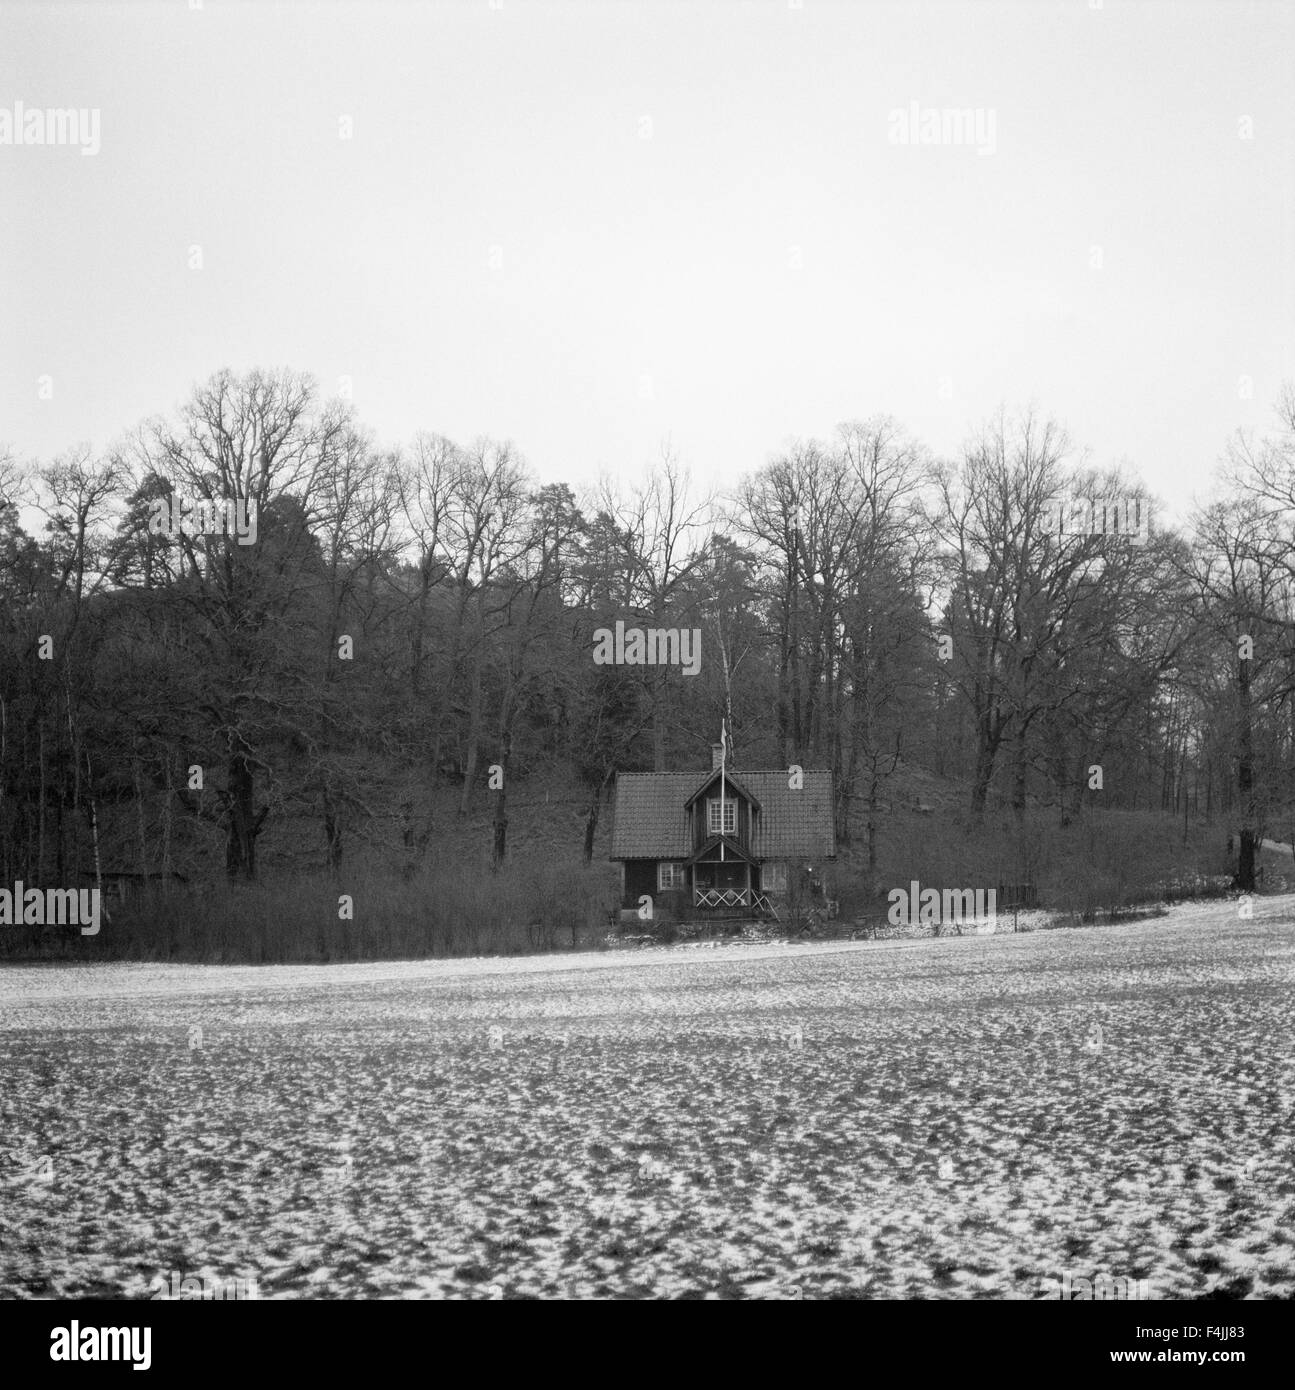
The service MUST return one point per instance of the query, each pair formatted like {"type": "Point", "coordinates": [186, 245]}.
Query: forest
{"type": "Point", "coordinates": [381, 682]}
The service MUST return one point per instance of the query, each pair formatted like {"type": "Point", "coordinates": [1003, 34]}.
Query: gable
{"type": "Point", "coordinates": [651, 818]}
{"type": "Point", "coordinates": [710, 849]}
{"type": "Point", "coordinates": [733, 784]}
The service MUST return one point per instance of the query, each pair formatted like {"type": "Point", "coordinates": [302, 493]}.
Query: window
{"type": "Point", "coordinates": [721, 818]}
{"type": "Point", "coordinates": [668, 876]}
{"type": "Point", "coordinates": [773, 878]}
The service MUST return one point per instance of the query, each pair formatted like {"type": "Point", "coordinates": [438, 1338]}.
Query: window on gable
{"type": "Point", "coordinates": [668, 876]}
{"type": "Point", "coordinates": [721, 818]}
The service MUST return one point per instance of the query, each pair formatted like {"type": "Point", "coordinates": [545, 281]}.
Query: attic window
{"type": "Point", "coordinates": [721, 818]}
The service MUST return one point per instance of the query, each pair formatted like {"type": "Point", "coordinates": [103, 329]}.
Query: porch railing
{"type": "Point", "coordinates": [721, 897]}
{"type": "Point", "coordinates": [736, 897]}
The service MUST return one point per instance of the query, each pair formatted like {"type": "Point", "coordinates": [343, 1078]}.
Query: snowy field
{"type": "Point", "coordinates": [968, 1117]}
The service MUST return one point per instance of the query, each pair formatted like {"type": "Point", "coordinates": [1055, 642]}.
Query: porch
{"type": "Point", "coordinates": [722, 878]}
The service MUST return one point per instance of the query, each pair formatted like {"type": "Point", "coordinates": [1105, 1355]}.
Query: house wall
{"type": "Point", "coordinates": [699, 830]}
{"type": "Point", "coordinates": [765, 875]}
{"type": "Point", "coordinates": [640, 878]}
{"type": "Point", "coordinates": [675, 905]}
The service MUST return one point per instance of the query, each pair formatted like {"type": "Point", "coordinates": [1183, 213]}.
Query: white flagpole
{"type": "Point", "coordinates": [723, 758]}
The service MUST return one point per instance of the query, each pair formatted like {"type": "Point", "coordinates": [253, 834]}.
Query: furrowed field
{"type": "Point", "coordinates": [978, 1116]}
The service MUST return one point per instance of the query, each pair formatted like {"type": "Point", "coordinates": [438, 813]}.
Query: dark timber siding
{"type": "Point", "coordinates": [640, 878]}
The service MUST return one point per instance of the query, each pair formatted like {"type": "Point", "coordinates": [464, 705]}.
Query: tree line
{"type": "Point", "coordinates": [421, 618]}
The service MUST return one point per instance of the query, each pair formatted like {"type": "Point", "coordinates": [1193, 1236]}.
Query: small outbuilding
{"type": "Point", "coordinates": [725, 842]}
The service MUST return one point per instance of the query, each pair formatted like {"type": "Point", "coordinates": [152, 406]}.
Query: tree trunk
{"type": "Point", "coordinates": [244, 821]}
{"type": "Point", "coordinates": [474, 735]}
{"type": "Point", "coordinates": [332, 832]}
{"type": "Point", "coordinates": [1246, 781]}
{"type": "Point", "coordinates": [1019, 777]}
{"type": "Point", "coordinates": [591, 824]}
{"type": "Point", "coordinates": [500, 796]}
{"type": "Point", "coordinates": [986, 749]}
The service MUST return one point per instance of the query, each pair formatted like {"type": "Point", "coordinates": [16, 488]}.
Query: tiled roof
{"type": "Point", "coordinates": [650, 821]}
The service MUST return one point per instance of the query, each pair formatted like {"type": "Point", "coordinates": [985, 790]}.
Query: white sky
{"type": "Point", "coordinates": [521, 128]}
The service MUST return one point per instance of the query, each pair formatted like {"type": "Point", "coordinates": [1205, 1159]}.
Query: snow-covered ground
{"type": "Point", "coordinates": [975, 1116]}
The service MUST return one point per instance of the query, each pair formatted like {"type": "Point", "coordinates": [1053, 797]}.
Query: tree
{"type": "Point", "coordinates": [260, 440]}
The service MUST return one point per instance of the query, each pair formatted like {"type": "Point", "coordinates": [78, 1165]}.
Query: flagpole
{"type": "Point", "coordinates": [723, 757]}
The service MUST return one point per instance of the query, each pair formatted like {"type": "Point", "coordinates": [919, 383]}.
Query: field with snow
{"type": "Point", "coordinates": [967, 1117]}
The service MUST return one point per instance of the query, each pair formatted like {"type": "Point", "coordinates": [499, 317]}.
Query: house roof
{"type": "Point", "coordinates": [651, 820]}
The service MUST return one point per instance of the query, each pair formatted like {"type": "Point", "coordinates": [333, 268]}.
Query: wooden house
{"type": "Point", "coordinates": [725, 842]}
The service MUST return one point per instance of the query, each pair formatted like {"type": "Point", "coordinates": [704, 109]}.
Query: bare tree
{"type": "Point", "coordinates": [659, 530]}
{"type": "Point", "coordinates": [259, 439]}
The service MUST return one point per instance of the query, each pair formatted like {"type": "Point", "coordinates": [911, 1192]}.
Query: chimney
{"type": "Point", "coordinates": [716, 756]}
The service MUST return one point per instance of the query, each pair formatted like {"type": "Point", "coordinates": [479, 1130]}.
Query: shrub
{"type": "Point", "coordinates": [453, 910]}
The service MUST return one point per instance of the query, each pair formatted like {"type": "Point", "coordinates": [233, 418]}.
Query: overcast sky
{"type": "Point", "coordinates": [588, 227]}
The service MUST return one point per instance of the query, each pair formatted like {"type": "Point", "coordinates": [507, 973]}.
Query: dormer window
{"type": "Point", "coordinates": [721, 816]}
